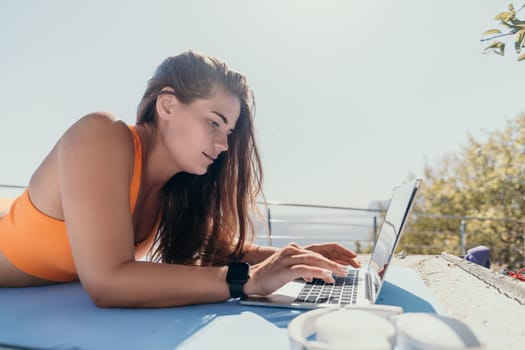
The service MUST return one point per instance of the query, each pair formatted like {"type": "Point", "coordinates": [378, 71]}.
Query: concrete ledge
{"type": "Point", "coordinates": [491, 304]}
{"type": "Point", "coordinates": [510, 287]}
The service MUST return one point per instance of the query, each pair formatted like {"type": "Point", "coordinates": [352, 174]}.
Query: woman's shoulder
{"type": "Point", "coordinates": [101, 122]}
{"type": "Point", "coordinates": [98, 136]}
{"type": "Point", "coordinates": [102, 128]}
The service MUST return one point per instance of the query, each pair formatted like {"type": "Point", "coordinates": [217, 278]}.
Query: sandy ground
{"type": "Point", "coordinates": [490, 303]}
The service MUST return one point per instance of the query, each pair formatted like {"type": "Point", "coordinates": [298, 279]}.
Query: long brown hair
{"type": "Point", "coordinates": [207, 219]}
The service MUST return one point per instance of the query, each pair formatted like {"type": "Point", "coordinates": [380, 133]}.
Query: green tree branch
{"type": "Point", "coordinates": [508, 20]}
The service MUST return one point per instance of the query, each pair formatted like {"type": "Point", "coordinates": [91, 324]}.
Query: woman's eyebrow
{"type": "Point", "coordinates": [224, 119]}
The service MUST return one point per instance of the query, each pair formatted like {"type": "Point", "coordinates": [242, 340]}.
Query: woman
{"type": "Point", "coordinates": [180, 184]}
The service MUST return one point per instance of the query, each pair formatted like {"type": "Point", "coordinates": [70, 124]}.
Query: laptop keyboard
{"type": "Point", "coordinates": [342, 291]}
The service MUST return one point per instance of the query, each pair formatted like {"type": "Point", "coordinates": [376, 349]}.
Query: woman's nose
{"type": "Point", "coordinates": [221, 143]}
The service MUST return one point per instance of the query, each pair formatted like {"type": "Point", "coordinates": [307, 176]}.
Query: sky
{"type": "Point", "coordinates": [353, 97]}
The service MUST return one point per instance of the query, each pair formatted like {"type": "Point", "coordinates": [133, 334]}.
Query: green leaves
{"type": "Point", "coordinates": [497, 47]}
{"type": "Point", "coordinates": [505, 16]}
{"type": "Point", "coordinates": [492, 31]}
{"type": "Point", "coordinates": [520, 40]}
{"type": "Point", "coordinates": [515, 26]}
{"type": "Point", "coordinates": [483, 184]}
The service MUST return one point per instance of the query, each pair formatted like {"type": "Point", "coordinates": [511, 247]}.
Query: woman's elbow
{"type": "Point", "coordinates": [103, 293]}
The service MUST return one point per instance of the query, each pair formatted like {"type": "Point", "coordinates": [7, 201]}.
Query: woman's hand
{"type": "Point", "coordinates": [290, 263]}
{"type": "Point", "coordinates": [335, 252]}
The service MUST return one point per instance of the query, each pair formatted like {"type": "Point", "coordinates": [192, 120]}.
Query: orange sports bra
{"type": "Point", "coordinates": [38, 244]}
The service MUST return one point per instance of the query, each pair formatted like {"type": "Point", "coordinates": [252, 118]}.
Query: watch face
{"type": "Point", "coordinates": [238, 272]}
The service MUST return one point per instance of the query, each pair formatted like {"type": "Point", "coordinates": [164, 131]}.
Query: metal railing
{"type": "Point", "coordinates": [12, 186]}
{"type": "Point", "coordinates": [352, 226]}
{"type": "Point", "coordinates": [9, 191]}
{"type": "Point", "coordinates": [467, 226]}
{"type": "Point", "coordinates": [309, 223]}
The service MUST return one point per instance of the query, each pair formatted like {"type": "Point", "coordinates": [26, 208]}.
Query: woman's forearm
{"type": "Point", "coordinates": [145, 284]}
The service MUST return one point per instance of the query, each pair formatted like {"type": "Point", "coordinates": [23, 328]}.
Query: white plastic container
{"type": "Point", "coordinates": [353, 328]}
{"type": "Point", "coordinates": [418, 331]}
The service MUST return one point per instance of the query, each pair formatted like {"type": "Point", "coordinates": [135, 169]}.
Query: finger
{"type": "Point", "coordinates": [342, 251]}
{"type": "Point", "coordinates": [354, 263]}
{"type": "Point", "coordinates": [295, 245]}
{"type": "Point", "coordinates": [310, 272]}
{"type": "Point", "coordinates": [293, 256]}
{"type": "Point", "coordinates": [344, 256]}
{"type": "Point", "coordinates": [317, 260]}
{"type": "Point", "coordinates": [348, 254]}
{"type": "Point", "coordinates": [291, 249]}
{"type": "Point", "coordinates": [333, 251]}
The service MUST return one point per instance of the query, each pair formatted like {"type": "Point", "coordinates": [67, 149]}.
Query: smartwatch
{"type": "Point", "coordinates": [238, 275]}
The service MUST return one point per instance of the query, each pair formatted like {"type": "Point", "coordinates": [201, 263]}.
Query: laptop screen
{"type": "Point", "coordinates": [391, 229]}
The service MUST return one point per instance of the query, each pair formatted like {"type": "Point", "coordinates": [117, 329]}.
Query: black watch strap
{"type": "Point", "coordinates": [236, 290]}
{"type": "Point", "coordinates": [238, 275]}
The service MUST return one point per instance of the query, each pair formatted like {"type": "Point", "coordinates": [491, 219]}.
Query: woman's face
{"type": "Point", "coordinates": [196, 134]}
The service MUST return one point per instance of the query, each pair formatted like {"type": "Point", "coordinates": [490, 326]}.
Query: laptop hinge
{"type": "Point", "coordinates": [369, 287]}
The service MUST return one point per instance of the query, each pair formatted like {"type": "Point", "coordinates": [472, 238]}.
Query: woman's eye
{"type": "Point", "coordinates": [213, 124]}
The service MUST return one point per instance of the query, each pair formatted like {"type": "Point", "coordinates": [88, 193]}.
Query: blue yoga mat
{"type": "Point", "coordinates": [64, 317]}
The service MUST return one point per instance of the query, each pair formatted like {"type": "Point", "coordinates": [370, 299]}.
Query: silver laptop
{"type": "Point", "coordinates": [360, 286]}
